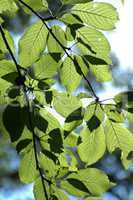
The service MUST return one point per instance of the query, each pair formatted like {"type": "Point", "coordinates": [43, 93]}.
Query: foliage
{"type": "Point", "coordinates": [58, 157]}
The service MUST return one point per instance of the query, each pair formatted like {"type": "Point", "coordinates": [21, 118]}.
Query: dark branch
{"type": "Point", "coordinates": [10, 51]}
{"type": "Point", "coordinates": [43, 20]}
{"type": "Point", "coordinates": [35, 146]}
{"type": "Point", "coordinates": [61, 45]}
{"type": "Point", "coordinates": [32, 10]}
{"type": "Point", "coordinates": [29, 110]}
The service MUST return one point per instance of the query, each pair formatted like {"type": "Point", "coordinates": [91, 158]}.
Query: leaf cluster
{"type": "Point", "coordinates": [69, 43]}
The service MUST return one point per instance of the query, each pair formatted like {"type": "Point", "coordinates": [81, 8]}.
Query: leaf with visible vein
{"type": "Point", "coordinates": [92, 146]}
{"type": "Point", "coordinates": [99, 15]}
{"type": "Point", "coordinates": [27, 171]}
{"type": "Point", "coordinates": [95, 180]}
{"type": "Point", "coordinates": [32, 43]}
{"type": "Point", "coordinates": [69, 76]}
{"type": "Point", "coordinates": [119, 137]}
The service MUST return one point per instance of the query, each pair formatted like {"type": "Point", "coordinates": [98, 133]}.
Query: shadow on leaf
{"type": "Point", "coordinates": [56, 141]}
{"type": "Point", "coordinates": [78, 184]}
{"type": "Point", "coordinates": [13, 121]}
{"type": "Point", "coordinates": [93, 123]}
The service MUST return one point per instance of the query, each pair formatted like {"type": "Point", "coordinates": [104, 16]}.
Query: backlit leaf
{"type": "Point", "coordinates": [32, 43]}
{"type": "Point", "coordinates": [119, 137]}
{"type": "Point", "coordinates": [27, 170]}
{"type": "Point", "coordinates": [44, 68]}
{"type": "Point", "coordinates": [95, 180]}
{"type": "Point", "coordinates": [69, 76]}
{"type": "Point", "coordinates": [65, 103]}
{"type": "Point", "coordinates": [7, 6]}
{"type": "Point", "coordinates": [92, 146]}
{"type": "Point", "coordinates": [100, 15]}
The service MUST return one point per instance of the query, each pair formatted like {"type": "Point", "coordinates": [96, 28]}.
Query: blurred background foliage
{"type": "Point", "coordinates": [10, 186]}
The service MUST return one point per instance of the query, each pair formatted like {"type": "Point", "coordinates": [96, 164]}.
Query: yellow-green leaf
{"type": "Point", "coordinates": [32, 43]}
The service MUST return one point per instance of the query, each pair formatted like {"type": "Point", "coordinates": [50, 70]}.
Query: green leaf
{"type": "Point", "coordinates": [42, 92]}
{"type": "Point", "coordinates": [53, 123]}
{"type": "Point", "coordinates": [12, 77]}
{"type": "Point", "coordinates": [81, 65]}
{"type": "Point", "coordinates": [38, 190]}
{"type": "Point", "coordinates": [83, 95]}
{"type": "Point", "coordinates": [24, 146]}
{"type": "Point", "coordinates": [102, 74]}
{"type": "Point", "coordinates": [59, 194]}
{"type": "Point", "coordinates": [129, 116]}
{"type": "Point", "coordinates": [71, 19]}
{"type": "Point", "coordinates": [99, 15]}
{"type": "Point", "coordinates": [9, 38]}
{"type": "Point", "coordinates": [36, 5]}
{"type": "Point", "coordinates": [114, 114]}
{"type": "Point", "coordinates": [7, 6]}
{"type": "Point", "coordinates": [62, 171]}
{"type": "Point", "coordinates": [71, 139]}
{"type": "Point", "coordinates": [40, 98]}
{"type": "Point", "coordinates": [15, 124]}
{"type": "Point", "coordinates": [93, 145]}
{"type": "Point", "coordinates": [119, 137]}
{"type": "Point", "coordinates": [69, 76]}
{"type": "Point", "coordinates": [124, 100]}
{"type": "Point", "coordinates": [53, 44]}
{"type": "Point", "coordinates": [94, 110]}
{"type": "Point", "coordinates": [95, 42]}
{"type": "Point", "coordinates": [74, 119]}
{"type": "Point", "coordinates": [100, 70]}
{"type": "Point", "coordinates": [56, 141]}
{"type": "Point", "coordinates": [1, 21]}
{"type": "Point", "coordinates": [71, 31]}
{"type": "Point", "coordinates": [72, 160]}
{"type": "Point", "coordinates": [27, 170]}
{"type": "Point", "coordinates": [40, 122]}
{"type": "Point", "coordinates": [72, 2]}
{"type": "Point", "coordinates": [32, 43]}
{"type": "Point", "coordinates": [45, 84]}
{"type": "Point", "coordinates": [93, 60]}
{"type": "Point", "coordinates": [74, 187]}
{"type": "Point", "coordinates": [45, 67]}
{"type": "Point", "coordinates": [95, 180]}
{"type": "Point", "coordinates": [6, 67]}
{"type": "Point", "coordinates": [65, 103]}
{"type": "Point", "coordinates": [68, 160]}
{"type": "Point", "coordinates": [47, 164]}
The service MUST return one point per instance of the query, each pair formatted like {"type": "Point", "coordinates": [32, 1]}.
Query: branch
{"type": "Point", "coordinates": [35, 146]}
{"type": "Point", "coordinates": [29, 109]}
{"type": "Point", "coordinates": [43, 21]}
{"type": "Point", "coordinates": [10, 51]}
{"type": "Point", "coordinates": [61, 45]}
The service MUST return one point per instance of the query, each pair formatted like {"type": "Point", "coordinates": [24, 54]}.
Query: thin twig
{"type": "Point", "coordinates": [43, 20]}
{"type": "Point", "coordinates": [35, 147]}
{"type": "Point", "coordinates": [61, 45]}
{"type": "Point", "coordinates": [10, 51]}
{"type": "Point", "coordinates": [29, 109]}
